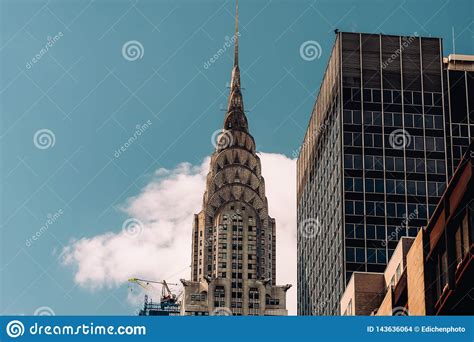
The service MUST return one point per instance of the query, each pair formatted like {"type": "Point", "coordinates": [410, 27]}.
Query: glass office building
{"type": "Point", "coordinates": [459, 107]}
{"type": "Point", "coordinates": [374, 161]}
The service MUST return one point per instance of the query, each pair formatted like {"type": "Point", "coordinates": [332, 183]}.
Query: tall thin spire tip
{"type": "Point", "coordinates": [236, 34]}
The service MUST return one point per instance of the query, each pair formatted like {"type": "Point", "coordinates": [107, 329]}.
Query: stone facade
{"type": "Point", "coordinates": [373, 293]}
{"type": "Point", "coordinates": [416, 277]}
{"type": "Point", "coordinates": [363, 293]}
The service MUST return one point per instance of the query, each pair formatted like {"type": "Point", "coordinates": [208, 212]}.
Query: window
{"type": "Point", "coordinates": [272, 301]}
{"type": "Point", "coordinates": [428, 98]}
{"type": "Point", "coordinates": [376, 255]}
{"type": "Point", "coordinates": [219, 296]}
{"type": "Point", "coordinates": [397, 96]}
{"type": "Point", "coordinates": [380, 231]}
{"type": "Point", "coordinates": [359, 231]}
{"type": "Point", "coordinates": [350, 254]}
{"type": "Point", "coordinates": [352, 117]}
{"type": "Point", "coordinates": [407, 97]}
{"type": "Point", "coordinates": [432, 189]}
{"type": "Point", "coordinates": [199, 297]}
{"type": "Point", "coordinates": [350, 231]}
{"type": "Point", "coordinates": [349, 207]}
{"type": "Point", "coordinates": [254, 294]}
{"type": "Point", "coordinates": [352, 139]}
{"type": "Point", "coordinates": [376, 96]}
{"type": "Point", "coordinates": [371, 256]}
{"type": "Point", "coordinates": [348, 311]}
{"type": "Point", "coordinates": [237, 295]}
{"type": "Point", "coordinates": [360, 254]}
{"type": "Point", "coordinates": [349, 184]}
{"type": "Point", "coordinates": [381, 256]}
{"type": "Point", "coordinates": [417, 98]}
{"type": "Point", "coordinates": [399, 164]}
{"type": "Point", "coordinates": [441, 272]}
{"type": "Point", "coordinates": [370, 232]}
{"type": "Point", "coordinates": [462, 239]}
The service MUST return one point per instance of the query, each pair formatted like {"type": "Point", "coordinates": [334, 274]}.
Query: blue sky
{"type": "Point", "coordinates": [91, 99]}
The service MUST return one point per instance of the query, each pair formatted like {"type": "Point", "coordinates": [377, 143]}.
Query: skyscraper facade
{"type": "Point", "coordinates": [233, 270]}
{"type": "Point", "coordinates": [459, 107]}
{"type": "Point", "coordinates": [374, 161]}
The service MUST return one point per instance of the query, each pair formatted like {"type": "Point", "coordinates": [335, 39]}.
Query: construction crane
{"type": "Point", "coordinates": [168, 304]}
{"type": "Point", "coordinates": [166, 294]}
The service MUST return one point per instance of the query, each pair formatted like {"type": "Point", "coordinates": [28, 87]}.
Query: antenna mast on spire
{"type": "Point", "coordinates": [236, 34]}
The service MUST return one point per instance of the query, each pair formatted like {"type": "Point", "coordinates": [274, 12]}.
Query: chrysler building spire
{"type": "Point", "coordinates": [236, 35]}
{"type": "Point", "coordinates": [233, 259]}
{"type": "Point", "coordinates": [235, 117]}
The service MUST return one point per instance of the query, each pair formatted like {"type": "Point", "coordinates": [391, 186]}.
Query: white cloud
{"type": "Point", "coordinates": [162, 247]}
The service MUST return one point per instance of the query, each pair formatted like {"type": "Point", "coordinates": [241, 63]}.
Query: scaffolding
{"type": "Point", "coordinates": [159, 309]}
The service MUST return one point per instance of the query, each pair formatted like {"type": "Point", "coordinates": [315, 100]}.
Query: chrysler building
{"type": "Point", "coordinates": [233, 270]}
